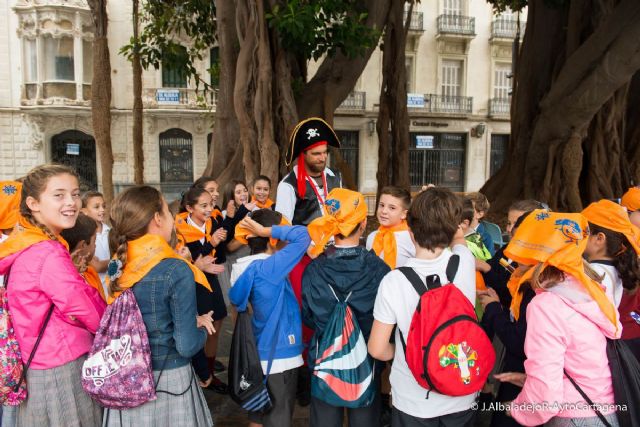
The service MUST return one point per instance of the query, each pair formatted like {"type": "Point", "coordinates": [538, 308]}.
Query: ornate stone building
{"type": "Point", "coordinates": [458, 63]}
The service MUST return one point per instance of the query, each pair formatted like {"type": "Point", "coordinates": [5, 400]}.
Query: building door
{"type": "Point", "coordinates": [437, 158]}
{"type": "Point", "coordinates": [176, 160]}
{"type": "Point", "coordinates": [350, 151]}
{"type": "Point", "coordinates": [498, 152]}
{"type": "Point", "coordinates": [77, 150]}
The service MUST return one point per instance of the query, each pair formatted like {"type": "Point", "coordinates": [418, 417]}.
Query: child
{"type": "Point", "coordinates": [82, 245]}
{"type": "Point", "coordinates": [265, 285]}
{"type": "Point", "coordinates": [42, 278]}
{"type": "Point", "coordinates": [261, 189]}
{"type": "Point", "coordinates": [94, 207]}
{"type": "Point", "coordinates": [612, 251]}
{"type": "Point", "coordinates": [163, 285]}
{"type": "Point", "coordinates": [194, 227]}
{"type": "Point", "coordinates": [391, 241]}
{"type": "Point", "coordinates": [568, 324]}
{"type": "Point", "coordinates": [631, 201]}
{"type": "Point", "coordinates": [350, 270]}
{"type": "Point", "coordinates": [434, 222]}
{"type": "Point", "coordinates": [475, 244]}
{"type": "Point", "coordinates": [481, 209]}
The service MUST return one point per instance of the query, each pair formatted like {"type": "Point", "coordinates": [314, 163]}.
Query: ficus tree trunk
{"type": "Point", "coordinates": [571, 99]}
{"type": "Point", "coordinates": [138, 153]}
{"type": "Point", "coordinates": [101, 95]}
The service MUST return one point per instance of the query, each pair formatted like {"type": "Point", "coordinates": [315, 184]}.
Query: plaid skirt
{"type": "Point", "coordinates": [184, 407]}
{"type": "Point", "coordinates": [582, 422]}
{"type": "Point", "coordinates": [56, 398]}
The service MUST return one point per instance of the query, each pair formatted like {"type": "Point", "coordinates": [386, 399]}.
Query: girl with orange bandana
{"type": "Point", "coordinates": [47, 296]}
{"type": "Point", "coordinates": [261, 189]}
{"type": "Point", "coordinates": [194, 226]}
{"type": "Point", "coordinates": [391, 241]}
{"type": "Point", "coordinates": [163, 285]}
{"type": "Point", "coordinates": [612, 251]}
{"type": "Point", "coordinates": [568, 324]}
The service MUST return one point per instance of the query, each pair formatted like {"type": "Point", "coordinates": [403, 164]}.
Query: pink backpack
{"type": "Point", "coordinates": [118, 372]}
{"type": "Point", "coordinates": [13, 387]}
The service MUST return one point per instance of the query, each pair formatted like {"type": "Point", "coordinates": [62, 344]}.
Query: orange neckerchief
{"type": "Point", "coordinates": [24, 235]}
{"type": "Point", "coordinates": [190, 233]}
{"type": "Point", "coordinates": [344, 211]}
{"type": "Point", "coordinates": [10, 193]}
{"type": "Point", "coordinates": [631, 199]}
{"type": "Point", "coordinates": [557, 239]}
{"type": "Point", "coordinates": [145, 253]}
{"type": "Point", "coordinates": [265, 205]}
{"type": "Point", "coordinates": [514, 287]}
{"type": "Point", "coordinates": [216, 213]}
{"type": "Point", "coordinates": [91, 277]}
{"type": "Point", "coordinates": [241, 234]}
{"type": "Point", "coordinates": [612, 216]}
{"type": "Point", "coordinates": [385, 242]}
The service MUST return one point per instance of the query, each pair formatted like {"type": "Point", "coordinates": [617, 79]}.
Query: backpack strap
{"type": "Point", "coordinates": [589, 401]}
{"type": "Point", "coordinates": [414, 279]}
{"type": "Point", "coordinates": [452, 267]}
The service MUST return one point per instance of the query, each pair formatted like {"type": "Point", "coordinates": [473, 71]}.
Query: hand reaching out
{"type": "Point", "coordinates": [220, 235]}
{"type": "Point", "coordinates": [487, 297]}
{"type": "Point", "coordinates": [207, 264]}
{"type": "Point", "coordinates": [206, 321]}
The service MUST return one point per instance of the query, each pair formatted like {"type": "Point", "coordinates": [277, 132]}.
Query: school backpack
{"type": "Point", "coordinates": [247, 385]}
{"type": "Point", "coordinates": [446, 349]}
{"type": "Point", "coordinates": [342, 368]}
{"type": "Point", "coordinates": [13, 387]}
{"type": "Point", "coordinates": [118, 372]}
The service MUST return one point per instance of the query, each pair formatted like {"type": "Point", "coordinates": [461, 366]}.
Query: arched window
{"type": "Point", "coordinates": [77, 150]}
{"type": "Point", "coordinates": [176, 157]}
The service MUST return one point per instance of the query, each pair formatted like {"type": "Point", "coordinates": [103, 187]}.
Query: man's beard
{"type": "Point", "coordinates": [315, 169]}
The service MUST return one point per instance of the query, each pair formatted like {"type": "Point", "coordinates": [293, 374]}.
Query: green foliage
{"type": "Point", "coordinates": [518, 5]}
{"type": "Point", "coordinates": [312, 28]}
{"type": "Point", "coordinates": [170, 26]}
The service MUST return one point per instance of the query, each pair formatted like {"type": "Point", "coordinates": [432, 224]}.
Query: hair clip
{"type": "Point", "coordinates": [114, 269]}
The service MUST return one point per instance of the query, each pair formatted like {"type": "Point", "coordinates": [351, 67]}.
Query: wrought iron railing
{"type": "Point", "coordinates": [456, 24]}
{"type": "Point", "coordinates": [444, 104]}
{"type": "Point", "coordinates": [499, 106]}
{"type": "Point", "coordinates": [179, 98]}
{"type": "Point", "coordinates": [417, 21]}
{"type": "Point", "coordinates": [506, 28]}
{"type": "Point", "coordinates": [354, 101]}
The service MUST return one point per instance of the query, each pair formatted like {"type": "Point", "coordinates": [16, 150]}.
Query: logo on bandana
{"type": "Point", "coordinates": [312, 133]}
{"type": "Point", "coordinates": [333, 206]}
{"type": "Point", "coordinates": [9, 189]}
{"type": "Point", "coordinates": [570, 229]}
{"type": "Point", "coordinates": [542, 216]}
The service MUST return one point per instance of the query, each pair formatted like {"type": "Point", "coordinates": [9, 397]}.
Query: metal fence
{"type": "Point", "coordinates": [506, 28]}
{"type": "Point", "coordinates": [356, 100]}
{"type": "Point", "coordinates": [499, 107]}
{"type": "Point", "coordinates": [499, 144]}
{"type": "Point", "coordinates": [417, 21]}
{"type": "Point", "coordinates": [441, 164]}
{"type": "Point", "coordinates": [457, 24]}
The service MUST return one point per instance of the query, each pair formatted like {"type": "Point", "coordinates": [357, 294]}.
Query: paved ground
{"type": "Point", "coordinates": [226, 413]}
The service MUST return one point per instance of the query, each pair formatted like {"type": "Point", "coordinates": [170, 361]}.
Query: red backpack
{"type": "Point", "coordinates": [446, 349]}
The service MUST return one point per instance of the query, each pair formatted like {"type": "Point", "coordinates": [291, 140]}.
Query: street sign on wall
{"type": "Point", "coordinates": [168, 96]}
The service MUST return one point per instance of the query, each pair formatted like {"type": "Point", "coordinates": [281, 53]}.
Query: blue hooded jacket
{"type": "Point", "coordinates": [265, 284]}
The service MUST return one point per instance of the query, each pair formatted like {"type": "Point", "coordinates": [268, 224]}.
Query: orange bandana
{"type": "Point", "coordinates": [215, 214]}
{"type": "Point", "coordinates": [385, 242]}
{"type": "Point", "coordinates": [344, 211]}
{"type": "Point", "coordinates": [9, 204]}
{"type": "Point", "coordinates": [241, 234]}
{"type": "Point", "coordinates": [265, 205]}
{"type": "Point", "coordinates": [557, 239]}
{"type": "Point", "coordinates": [187, 233]}
{"type": "Point", "coordinates": [514, 286]}
{"type": "Point", "coordinates": [612, 216]}
{"type": "Point", "coordinates": [631, 199]}
{"type": "Point", "coordinates": [145, 253]}
{"type": "Point", "coordinates": [24, 235]}
{"type": "Point", "coordinates": [92, 278]}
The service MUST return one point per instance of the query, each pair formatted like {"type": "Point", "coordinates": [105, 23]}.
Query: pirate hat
{"type": "Point", "coordinates": [308, 133]}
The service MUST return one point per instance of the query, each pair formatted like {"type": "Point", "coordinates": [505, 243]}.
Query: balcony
{"type": "Point", "coordinates": [504, 29]}
{"type": "Point", "coordinates": [431, 103]}
{"type": "Point", "coordinates": [499, 107]}
{"type": "Point", "coordinates": [457, 26]}
{"type": "Point", "coordinates": [417, 21]}
{"type": "Point", "coordinates": [355, 101]}
{"type": "Point", "coordinates": [178, 98]}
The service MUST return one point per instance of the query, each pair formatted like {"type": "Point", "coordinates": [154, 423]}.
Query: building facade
{"type": "Point", "coordinates": [458, 65]}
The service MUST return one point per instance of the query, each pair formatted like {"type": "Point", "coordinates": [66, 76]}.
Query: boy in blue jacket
{"type": "Point", "coordinates": [277, 324]}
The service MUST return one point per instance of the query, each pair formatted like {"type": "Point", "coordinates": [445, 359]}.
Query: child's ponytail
{"type": "Point", "coordinates": [625, 259]}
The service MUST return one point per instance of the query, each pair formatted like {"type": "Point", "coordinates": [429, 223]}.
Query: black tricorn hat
{"type": "Point", "coordinates": [307, 133]}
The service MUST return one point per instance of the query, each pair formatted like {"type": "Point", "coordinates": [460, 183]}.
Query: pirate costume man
{"type": "Point", "coordinates": [301, 193]}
